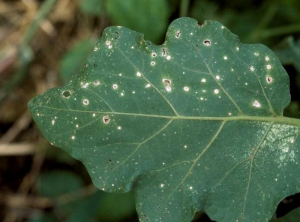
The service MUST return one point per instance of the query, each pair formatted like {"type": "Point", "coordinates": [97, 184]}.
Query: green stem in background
{"type": "Point", "coordinates": [25, 54]}
{"type": "Point", "coordinates": [283, 30]}
{"type": "Point", "coordinates": [184, 7]}
{"type": "Point", "coordinates": [255, 35]}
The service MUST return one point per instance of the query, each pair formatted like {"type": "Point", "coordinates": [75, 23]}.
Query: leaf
{"type": "Point", "coordinates": [193, 124]}
{"type": "Point", "coordinates": [147, 16]}
{"type": "Point", "coordinates": [292, 216]}
{"type": "Point", "coordinates": [288, 51]}
{"type": "Point", "coordinates": [52, 184]}
{"type": "Point", "coordinates": [75, 59]}
{"type": "Point", "coordinates": [91, 7]}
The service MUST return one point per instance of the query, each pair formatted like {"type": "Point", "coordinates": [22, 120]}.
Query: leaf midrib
{"type": "Point", "coordinates": [277, 119]}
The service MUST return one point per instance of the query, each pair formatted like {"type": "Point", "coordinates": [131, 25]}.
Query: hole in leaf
{"type": "Point", "coordinates": [85, 102]}
{"type": "Point", "coordinates": [106, 119]}
{"type": "Point", "coordinates": [66, 94]}
{"type": "Point", "coordinates": [167, 82]}
{"type": "Point", "coordinates": [269, 79]}
{"type": "Point", "coordinates": [164, 53]}
{"type": "Point", "coordinates": [207, 42]}
{"type": "Point", "coordinates": [178, 33]}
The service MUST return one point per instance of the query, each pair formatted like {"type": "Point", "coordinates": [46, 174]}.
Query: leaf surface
{"type": "Point", "coordinates": [193, 124]}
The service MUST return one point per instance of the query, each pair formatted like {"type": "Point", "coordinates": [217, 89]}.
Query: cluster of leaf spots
{"type": "Point", "coordinates": [192, 124]}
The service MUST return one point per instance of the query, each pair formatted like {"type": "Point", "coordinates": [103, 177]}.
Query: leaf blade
{"type": "Point", "coordinates": [157, 119]}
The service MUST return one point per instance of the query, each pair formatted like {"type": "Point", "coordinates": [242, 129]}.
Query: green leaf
{"type": "Point", "coordinates": [193, 124]}
{"type": "Point", "coordinates": [147, 16]}
{"type": "Point", "coordinates": [91, 7]}
{"type": "Point", "coordinates": [292, 216]}
{"type": "Point", "coordinates": [75, 59]}
{"type": "Point", "coordinates": [53, 183]}
{"type": "Point", "coordinates": [288, 51]}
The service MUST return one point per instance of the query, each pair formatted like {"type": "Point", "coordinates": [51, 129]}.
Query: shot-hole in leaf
{"type": "Point", "coordinates": [198, 126]}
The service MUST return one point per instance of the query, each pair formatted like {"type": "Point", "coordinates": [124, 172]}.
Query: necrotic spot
{"type": "Point", "coordinates": [256, 104]}
{"type": "Point", "coordinates": [178, 33]}
{"type": "Point", "coordinates": [85, 102]}
{"type": "Point", "coordinates": [186, 88]}
{"type": "Point", "coordinates": [114, 86]}
{"type": "Point", "coordinates": [269, 79]}
{"type": "Point", "coordinates": [167, 81]}
{"type": "Point", "coordinates": [206, 42]}
{"type": "Point", "coordinates": [97, 83]}
{"type": "Point", "coordinates": [106, 119]}
{"type": "Point", "coordinates": [66, 94]}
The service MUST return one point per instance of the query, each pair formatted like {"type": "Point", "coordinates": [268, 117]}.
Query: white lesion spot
{"type": "Point", "coordinates": [53, 122]}
{"type": "Point", "coordinates": [269, 66]}
{"type": "Point", "coordinates": [106, 119]}
{"type": "Point", "coordinates": [153, 54]}
{"type": "Point", "coordinates": [256, 54]}
{"type": "Point", "coordinates": [267, 58]}
{"type": "Point", "coordinates": [73, 137]}
{"type": "Point", "coordinates": [216, 91]}
{"type": "Point", "coordinates": [203, 80]}
{"type": "Point", "coordinates": [153, 63]}
{"type": "Point", "coordinates": [237, 48]}
{"type": "Point", "coordinates": [96, 49]}
{"type": "Point", "coordinates": [167, 83]}
{"type": "Point", "coordinates": [269, 79]}
{"type": "Point", "coordinates": [168, 57]}
{"type": "Point", "coordinates": [225, 57]}
{"type": "Point", "coordinates": [119, 127]}
{"type": "Point", "coordinates": [85, 102]}
{"type": "Point", "coordinates": [84, 85]}
{"type": "Point", "coordinates": [147, 85]}
{"type": "Point", "coordinates": [207, 42]}
{"type": "Point", "coordinates": [108, 43]}
{"type": "Point", "coordinates": [186, 88]}
{"type": "Point", "coordinates": [256, 104]}
{"type": "Point", "coordinates": [162, 185]}
{"type": "Point", "coordinates": [96, 83]}
{"type": "Point", "coordinates": [168, 88]}
{"type": "Point", "coordinates": [251, 68]}
{"type": "Point", "coordinates": [138, 74]}
{"type": "Point", "coordinates": [218, 77]}
{"type": "Point", "coordinates": [115, 86]}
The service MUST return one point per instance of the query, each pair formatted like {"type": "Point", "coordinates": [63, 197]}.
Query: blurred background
{"type": "Point", "coordinates": [44, 42]}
